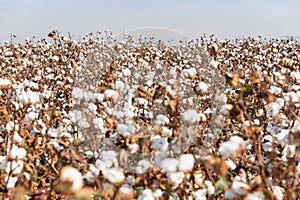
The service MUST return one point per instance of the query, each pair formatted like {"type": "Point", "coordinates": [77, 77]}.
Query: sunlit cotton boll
{"type": "Point", "coordinates": [15, 167]}
{"type": "Point", "coordinates": [109, 158]}
{"type": "Point", "coordinates": [143, 166]}
{"type": "Point", "coordinates": [17, 153]}
{"type": "Point", "coordinates": [114, 176]}
{"type": "Point", "coordinates": [169, 165]}
{"type": "Point", "coordinates": [186, 162]}
{"type": "Point", "coordinates": [190, 117]}
{"type": "Point", "coordinates": [235, 143]}
{"type": "Point", "coordinates": [161, 120]}
{"type": "Point", "coordinates": [202, 87]}
{"type": "Point", "coordinates": [10, 181]}
{"type": "Point", "coordinates": [3, 162]}
{"type": "Point", "coordinates": [175, 178]}
{"type": "Point", "coordinates": [77, 93]}
{"type": "Point", "coordinates": [200, 194]}
{"type": "Point", "coordinates": [272, 110]}
{"type": "Point", "coordinates": [160, 143]}
{"type": "Point", "coordinates": [147, 194]}
{"type": "Point", "coordinates": [5, 83]}
{"type": "Point", "coordinates": [70, 175]}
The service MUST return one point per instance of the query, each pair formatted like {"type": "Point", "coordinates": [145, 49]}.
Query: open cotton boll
{"type": "Point", "coordinates": [169, 165]}
{"type": "Point", "coordinates": [267, 143]}
{"type": "Point", "coordinates": [111, 94]}
{"type": "Point", "coordinates": [147, 194]}
{"type": "Point", "coordinates": [143, 166]}
{"type": "Point", "coordinates": [272, 110]}
{"type": "Point", "coordinates": [109, 158]}
{"type": "Point", "coordinates": [77, 93]}
{"type": "Point", "coordinates": [15, 167]}
{"type": "Point", "coordinates": [5, 83]}
{"type": "Point", "coordinates": [190, 117]}
{"type": "Point", "coordinates": [33, 97]}
{"type": "Point", "coordinates": [3, 162]}
{"type": "Point", "coordinates": [114, 176]}
{"type": "Point", "coordinates": [235, 143]}
{"type": "Point", "coordinates": [70, 175]}
{"type": "Point", "coordinates": [186, 162]}
{"type": "Point", "coordinates": [210, 187]}
{"type": "Point", "coordinates": [283, 137]}
{"type": "Point", "coordinates": [278, 192]}
{"type": "Point", "coordinates": [11, 182]}
{"type": "Point", "coordinates": [202, 87]}
{"type": "Point", "coordinates": [160, 143]}
{"type": "Point", "coordinates": [17, 153]}
{"type": "Point", "coordinates": [200, 194]}
{"type": "Point", "coordinates": [161, 120]}
{"type": "Point", "coordinates": [240, 188]}
{"type": "Point", "coordinates": [189, 73]}
{"type": "Point", "coordinates": [126, 130]}
{"type": "Point", "coordinates": [175, 178]}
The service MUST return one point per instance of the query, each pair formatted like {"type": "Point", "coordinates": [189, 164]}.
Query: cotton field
{"type": "Point", "coordinates": [141, 118]}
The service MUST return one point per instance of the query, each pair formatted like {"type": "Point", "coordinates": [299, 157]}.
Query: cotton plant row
{"type": "Point", "coordinates": [106, 119]}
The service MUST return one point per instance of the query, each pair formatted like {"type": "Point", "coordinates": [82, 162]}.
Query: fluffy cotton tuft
{"type": "Point", "coordinates": [190, 117]}
{"type": "Point", "coordinates": [73, 176]}
{"type": "Point", "coordinates": [227, 149]}
{"type": "Point", "coordinates": [186, 162]}
{"type": "Point", "coordinates": [113, 175]}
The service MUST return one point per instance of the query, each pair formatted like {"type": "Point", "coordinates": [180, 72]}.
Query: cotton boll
{"type": "Point", "coordinates": [157, 193]}
{"type": "Point", "coordinates": [200, 194]}
{"type": "Point", "coordinates": [143, 166]}
{"type": "Point", "coordinates": [189, 73]}
{"type": "Point", "coordinates": [3, 162]}
{"type": "Point", "coordinates": [240, 188]}
{"type": "Point", "coordinates": [186, 162]}
{"type": "Point", "coordinates": [255, 196]}
{"type": "Point", "coordinates": [11, 182]}
{"type": "Point", "coordinates": [72, 176]}
{"type": "Point", "coordinates": [230, 164]}
{"type": "Point", "coordinates": [111, 94]}
{"type": "Point", "coordinates": [15, 166]}
{"type": "Point", "coordinates": [114, 176]}
{"type": "Point", "coordinates": [272, 110]}
{"type": "Point", "coordinates": [169, 165]}
{"type": "Point", "coordinates": [175, 178]}
{"type": "Point", "coordinates": [230, 194]}
{"type": "Point", "coordinates": [160, 143]}
{"type": "Point", "coordinates": [230, 147]}
{"type": "Point", "coordinates": [190, 117]}
{"type": "Point", "coordinates": [109, 158]}
{"type": "Point", "coordinates": [288, 152]}
{"type": "Point", "coordinates": [202, 87]}
{"type": "Point", "coordinates": [33, 97]}
{"type": "Point", "coordinates": [267, 143]}
{"type": "Point", "coordinates": [277, 191]}
{"type": "Point", "coordinates": [161, 120]}
{"type": "Point", "coordinates": [5, 83]}
{"type": "Point", "coordinates": [282, 137]}
{"type": "Point", "coordinates": [296, 126]}
{"type": "Point", "coordinates": [147, 194]}
{"type": "Point", "coordinates": [17, 153]}
{"type": "Point", "coordinates": [126, 72]}
{"type": "Point", "coordinates": [125, 192]}
{"type": "Point", "coordinates": [10, 126]}
{"type": "Point", "coordinates": [29, 117]}
{"type": "Point", "coordinates": [126, 130]}
{"type": "Point", "coordinates": [210, 187]}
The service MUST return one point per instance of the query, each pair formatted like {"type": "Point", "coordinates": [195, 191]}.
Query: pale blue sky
{"type": "Point", "coordinates": [224, 18]}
